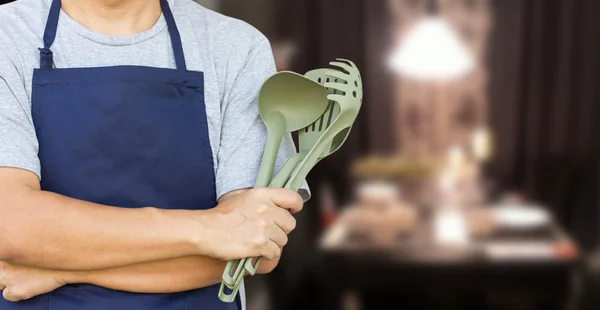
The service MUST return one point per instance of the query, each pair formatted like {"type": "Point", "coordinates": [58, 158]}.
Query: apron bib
{"type": "Point", "coordinates": [125, 136]}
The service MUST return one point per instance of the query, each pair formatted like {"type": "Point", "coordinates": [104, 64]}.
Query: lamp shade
{"type": "Point", "coordinates": [432, 51]}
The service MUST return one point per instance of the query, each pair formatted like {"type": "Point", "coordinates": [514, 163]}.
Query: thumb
{"type": "Point", "coordinates": [10, 295]}
{"type": "Point", "coordinates": [7, 294]}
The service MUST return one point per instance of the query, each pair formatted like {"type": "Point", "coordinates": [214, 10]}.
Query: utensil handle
{"type": "Point", "coordinates": [310, 161]}
{"type": "Point", "coordinates": [250, 267]}
{"type": "Point", "coordinates": [286, 171]}
{"type": "Point", "coordinates": [234, 267]}
{"type": "Point", "coordinates": [268, 160]}
{"type": "Point", "coordinates": [278, 182]}
{"type": "Point", "coordinates": [306, 163]}
{"type": "Point", "coordinates": [232, 272]}
{"type": "Point", "coordinates": [229, 298]}
{"type": "Point", "coordinates": [293, 183]}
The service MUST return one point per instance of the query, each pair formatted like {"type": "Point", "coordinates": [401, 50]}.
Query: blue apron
{"type": "Point", "coordinates": [123, 136]}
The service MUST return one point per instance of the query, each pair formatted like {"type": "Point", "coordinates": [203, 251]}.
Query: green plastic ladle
{"type": "Point", "coordinates": [287, 102]}
{"type": "Point", "coordinates": [327, 134]}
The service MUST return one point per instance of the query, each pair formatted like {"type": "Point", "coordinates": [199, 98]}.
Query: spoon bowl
{"type": "Point", "coordinates": [309, 136]}
{"type": "Point", "coordinates": [287, 102]}
{"type": "Point", "coordinates": [293, 97]}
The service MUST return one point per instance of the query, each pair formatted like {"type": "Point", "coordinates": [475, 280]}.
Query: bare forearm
{"type": "Point", "coordinates": [169, 276]}
{"type": "Point", "coordinates": [50, 231]}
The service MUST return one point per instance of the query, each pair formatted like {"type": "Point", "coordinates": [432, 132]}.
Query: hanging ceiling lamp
{"type": "Point", "coordinates": [431, 50]}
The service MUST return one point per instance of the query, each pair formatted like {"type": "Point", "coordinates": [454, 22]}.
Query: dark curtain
{"type": "Point", "coordinates": [545, 109]}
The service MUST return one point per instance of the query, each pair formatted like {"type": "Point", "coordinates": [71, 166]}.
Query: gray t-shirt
{"type": "Point", "coordinates": [235, 58]}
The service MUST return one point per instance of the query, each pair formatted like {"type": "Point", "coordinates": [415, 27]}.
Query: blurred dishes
{"type": "Point", "coordinates": [480, 222]}
{"type": "Point", "coordinates": [379, 224]}
{"type": "Point", "coordinates": [374, 194]}
{"type": "Point", "coordinates": [519, 217]}
{"type": "Point", "coordinates": [400, 219]}
{"type": "Point", "coordinates": [522, 250]}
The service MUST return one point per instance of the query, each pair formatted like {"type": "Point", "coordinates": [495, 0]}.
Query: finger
{"type": "Point", "coordinates": [278, 236]}
{"type": "Point", "coordinates": [2, 287]}
{"type": "Point", "coordinates": [285, 198]}
{"type": "Point", "coordinates": [283, 218]}
{"type": "Point", "coordinates": [8, 295]}
{"type": "Point", "coordinates": [272, 251]}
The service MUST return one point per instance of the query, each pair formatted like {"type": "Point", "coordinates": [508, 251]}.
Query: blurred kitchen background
{"type": "Point", "coordinates": [471, 179]}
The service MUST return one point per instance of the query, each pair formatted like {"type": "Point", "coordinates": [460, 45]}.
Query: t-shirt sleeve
{"type": "Point", "coordinates": [243, 134]}
{"type": "Point", "coordinates": [18, 141]}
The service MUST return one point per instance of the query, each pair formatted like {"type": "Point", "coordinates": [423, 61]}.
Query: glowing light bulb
{"type": "Point", "coordinates": [432, 51]}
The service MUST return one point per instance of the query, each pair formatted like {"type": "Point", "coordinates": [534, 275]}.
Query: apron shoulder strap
{"type": "Point", "coordinates": [175, 36]}
{"type": "Point", "coordinates": [46, 57]}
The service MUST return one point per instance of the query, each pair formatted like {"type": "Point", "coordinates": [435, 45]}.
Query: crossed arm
{"type": "Point", "coordinates": [165, 276]}
{"type": "Point", "coordinates": [120, 271]}
{"type": "Point", "coordinates": [168, 276]}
